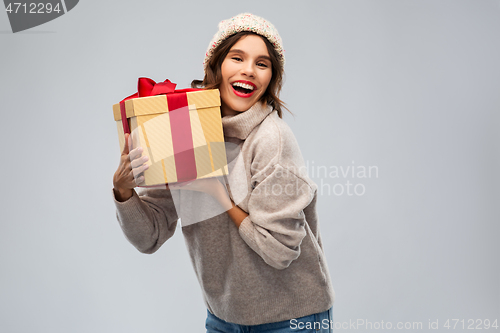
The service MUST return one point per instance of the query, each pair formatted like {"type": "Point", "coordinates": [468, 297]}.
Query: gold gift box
{"type": "Point", "coordinates": [166, 139]}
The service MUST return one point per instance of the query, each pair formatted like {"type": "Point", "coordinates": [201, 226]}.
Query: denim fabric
{"type": "Point", "coordinates": [315, 323]}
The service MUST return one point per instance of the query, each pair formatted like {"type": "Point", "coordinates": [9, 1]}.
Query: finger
{"type": "Point", "coordinates": [139, 161]}
{"type": "Point", "coordinates": [139, 170]}
{"type": "Point", "coordinates": [135, 178]}
{"type": "Point", "coordinates": [135, 153]}
{"type": "Point", "coordinates": [139, 180]}
{"type": "Point", "coordinates": [126, 145]}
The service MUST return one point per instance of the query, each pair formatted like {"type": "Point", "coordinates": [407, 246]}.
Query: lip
{"type": "Point", "coordinates": [246, 82]}
{"type": "Point", "coordinates": [237, 93]}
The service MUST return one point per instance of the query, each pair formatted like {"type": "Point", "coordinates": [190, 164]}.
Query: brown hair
{"type": "Point", "coordinates": [213, 75]}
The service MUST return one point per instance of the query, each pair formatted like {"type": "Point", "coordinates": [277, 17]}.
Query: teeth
{"type": "Point", "coordinates": [243, 85]}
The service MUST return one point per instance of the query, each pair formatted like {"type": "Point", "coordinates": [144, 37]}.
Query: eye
{"type": "Point", "coordinates": [262, 64]}
{"type": "Point", "coordinates": [236, 58]}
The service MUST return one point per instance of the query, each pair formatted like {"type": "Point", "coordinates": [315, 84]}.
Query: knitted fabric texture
{"type": "Point", "coordinates": [272, 267]}
{"type": "Point", "coordinates": [246, 22]}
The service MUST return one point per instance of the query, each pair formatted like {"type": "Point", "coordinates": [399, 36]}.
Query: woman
{"type": "Point", "coordinates": [260, 262]}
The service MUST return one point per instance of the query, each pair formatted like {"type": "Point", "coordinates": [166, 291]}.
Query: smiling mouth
{"type": "Point", "coordinates": [242, 89]}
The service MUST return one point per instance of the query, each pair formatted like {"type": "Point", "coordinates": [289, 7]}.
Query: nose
{"type": "Point", "coordinates": [248, 69]}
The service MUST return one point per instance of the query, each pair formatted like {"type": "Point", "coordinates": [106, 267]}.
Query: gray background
{"type": "Point", "coordinates": [411, 87]}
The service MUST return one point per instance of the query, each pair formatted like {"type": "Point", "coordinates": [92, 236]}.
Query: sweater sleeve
{"type": "Point", "coordinates": [275, 226]}
{"type": "Point", "coordinates": [148, 220]}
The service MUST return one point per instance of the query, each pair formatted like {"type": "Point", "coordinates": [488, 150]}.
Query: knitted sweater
{"type": "Point", "coordinates": [272, 268]}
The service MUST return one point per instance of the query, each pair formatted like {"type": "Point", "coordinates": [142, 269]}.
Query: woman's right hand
{"type": "Point", "coordinates": [130, 171]}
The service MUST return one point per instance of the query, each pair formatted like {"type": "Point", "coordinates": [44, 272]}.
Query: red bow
{"type": "Point", "coordinates": [147, 87]}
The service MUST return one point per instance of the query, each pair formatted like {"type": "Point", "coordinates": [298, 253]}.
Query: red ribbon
{"type": "Point", "coordinates": [182, 141]}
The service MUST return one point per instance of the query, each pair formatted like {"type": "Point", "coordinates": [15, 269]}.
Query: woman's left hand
{"type": "Point", "coordinates": [210, 186]}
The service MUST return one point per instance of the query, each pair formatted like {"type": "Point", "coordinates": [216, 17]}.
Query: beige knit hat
{"type": "Point", "coordinates": [246, 22]}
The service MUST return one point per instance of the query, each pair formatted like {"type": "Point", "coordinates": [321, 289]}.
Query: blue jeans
{"type": "Point", "coordinates": [315, 323]}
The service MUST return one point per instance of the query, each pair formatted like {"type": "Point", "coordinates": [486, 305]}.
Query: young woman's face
{"type": "Point", "coordinates": [246, 73]}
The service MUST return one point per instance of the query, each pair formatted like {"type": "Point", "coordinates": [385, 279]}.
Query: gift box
{"type": "Point", "coordinates": [179, 130]}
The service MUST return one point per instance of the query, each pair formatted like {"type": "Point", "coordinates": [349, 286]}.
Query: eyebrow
{"type": "Point", "coordinates": [243, 52]}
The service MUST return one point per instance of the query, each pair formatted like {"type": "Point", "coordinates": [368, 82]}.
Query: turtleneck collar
{"type": "Point", "coordinates": [240, 125]}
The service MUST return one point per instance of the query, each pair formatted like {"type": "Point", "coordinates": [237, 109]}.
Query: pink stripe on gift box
{"type": "Point", "coordinates": [182, 141]}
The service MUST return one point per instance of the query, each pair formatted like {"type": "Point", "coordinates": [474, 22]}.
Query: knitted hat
{"type": "Point", "coordinates": [246, 22]}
